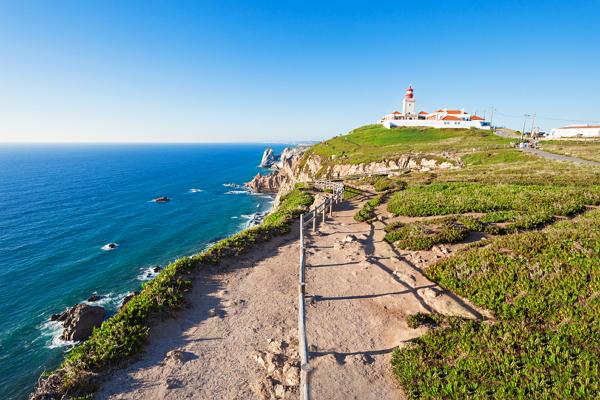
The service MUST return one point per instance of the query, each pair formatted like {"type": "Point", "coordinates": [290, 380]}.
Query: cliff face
{"type": "Point", "coordinates": [269, 183]}
{"type": "Point", "coordinates": [292, 169]}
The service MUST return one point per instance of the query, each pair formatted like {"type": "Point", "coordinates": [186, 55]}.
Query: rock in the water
{"type": "Point", "coordinates": [156, 268]}
{"type": "Point", "coordinates": [95, 297]}
{"type": "Point", "coordinates": [81, 321]}
{"type": "Point", "coordinates": [268, 158]}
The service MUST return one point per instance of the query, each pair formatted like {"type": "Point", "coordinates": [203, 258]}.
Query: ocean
{"type": "Point", "coordinates": [60, 204]}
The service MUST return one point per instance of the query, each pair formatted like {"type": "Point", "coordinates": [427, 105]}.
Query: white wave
{"type": "Point", "coordinates": [148, 273]}
{"type": "Point", "coordinates": [51, 332]}
{"type": "Point", "coordinates": [235, 217]}
{"type": "Point", "coordinates": [238, 192]}
{"type": "Point", "coordinates": [232, 185]}
{"type": "Point", "coordinates": [110, 300]}
{"type": "Point", "coordinates": [110, 246]}
{"type": "Point", "coordinates": [194, 190]}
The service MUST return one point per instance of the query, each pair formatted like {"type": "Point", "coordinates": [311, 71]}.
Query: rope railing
{"type": "Point", "coordinates": [324, 208]}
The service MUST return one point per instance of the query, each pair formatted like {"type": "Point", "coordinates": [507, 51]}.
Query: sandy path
{"type": "Point", "coordinates": [359, 295]}
{"type": "Point", "coordinates": [234, 309]}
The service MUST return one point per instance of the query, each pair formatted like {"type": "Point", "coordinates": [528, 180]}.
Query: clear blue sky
{"type": "Point", "coordinates": [282, 70]}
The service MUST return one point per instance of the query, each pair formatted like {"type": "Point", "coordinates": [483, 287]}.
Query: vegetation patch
{"type": "Point", "coordinates": [500, 156]}
{"type": "Point", "coordinates": [125, 333]}
{"type": "Point", "coordinates": [543, 288]}
{"type": "Point", "coordinates": [588, 149]}
{"type": "Point", "coordinates": [525, 206]}
{"type": "Point", "coordinates": [423, 235]}
{"type": "Point", "coordinates": [374, 143]}
{"type": "Point", "coordinates": [367, 212]}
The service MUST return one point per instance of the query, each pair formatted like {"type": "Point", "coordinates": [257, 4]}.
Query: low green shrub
{"type": "Point", "coordinates": [367, 212]}
{"type": "Point", "coordinates": [423, 235]}
{"type": "Point", "coordinates": [542, 287]}
{"type": "Point", "coordinates": [125, 333]}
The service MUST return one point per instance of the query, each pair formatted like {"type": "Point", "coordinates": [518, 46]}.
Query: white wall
{"type": "Point", "coordinates": [574, 132]}
{"type": "Point", "coordinates": [435, 124]}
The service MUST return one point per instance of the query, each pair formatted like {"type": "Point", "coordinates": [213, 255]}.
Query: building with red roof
{"type": "Point", "coordinates": [441, 118]}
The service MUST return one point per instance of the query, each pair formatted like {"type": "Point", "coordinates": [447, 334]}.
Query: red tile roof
{"type": "Point", "coordinates": [423, 113]}
{"type": "Point", "coordinates": [455, 112]}
{"type": "Point", "coordinates": [396, 112]}
{"type": "Point", "coordinates": [477, 118]}
{"type": "Point", "coordinates": [451, 118]}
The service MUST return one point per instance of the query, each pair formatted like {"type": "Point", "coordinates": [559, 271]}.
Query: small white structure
{"type": "Point", "coordinates": [442, 118]}
{"type": "Point", "coordinates": [575, 131]}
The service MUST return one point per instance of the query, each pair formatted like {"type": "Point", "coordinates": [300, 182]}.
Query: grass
{"type": "Point", "coordinates": [367, 212]}
{"type": "Point", "coordinates": [496, 157]}
{"type": "Point", "coordinates": [586, 149]}
{"type": "Point", "coordinates": [374, 142]}
{"type": "Point", "coordinates": [543, 288]}
{"type": "Point", "coordinates": [524, 206]}
{"type": "Point", "coordinates": [423, 235]}
{"type": "Point", "coordinates": [125, 333]}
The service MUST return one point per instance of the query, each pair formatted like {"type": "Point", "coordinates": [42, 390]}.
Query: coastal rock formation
{"type": "Point", "coordinates": [268, 183]}
{"type": "Point", "coordinates": [268, 158]}
{"type": "Point", "coordinates": [81, 321]}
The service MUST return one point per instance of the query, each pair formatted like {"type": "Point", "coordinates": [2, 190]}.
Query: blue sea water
{"type": "Point", "coordinates": [59, 204]}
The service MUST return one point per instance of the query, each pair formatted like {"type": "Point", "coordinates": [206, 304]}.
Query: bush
{"type": "Point", "coordinates": [423, 235]}
{"type": "Point", "coordinates": [367, 212]}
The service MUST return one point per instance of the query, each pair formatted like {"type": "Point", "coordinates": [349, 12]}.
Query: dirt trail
{"type": "Point", "coordinates": [360, 292]}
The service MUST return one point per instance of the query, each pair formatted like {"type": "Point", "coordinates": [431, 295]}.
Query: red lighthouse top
{"type": "Point", "coordinates": [409, 92]}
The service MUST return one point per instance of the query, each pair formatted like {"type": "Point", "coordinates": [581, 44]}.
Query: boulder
{"type": "Point", "coordinates": [95, 297]}
{"type": "Point", "coordinates": [81, 321]}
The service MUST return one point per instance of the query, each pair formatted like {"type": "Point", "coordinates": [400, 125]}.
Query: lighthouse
{"type": "Point", "coordinates": [408, 104]}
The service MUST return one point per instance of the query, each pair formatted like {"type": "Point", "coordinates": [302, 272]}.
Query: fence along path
{"type": "Point", "coordinates": [319, 211]}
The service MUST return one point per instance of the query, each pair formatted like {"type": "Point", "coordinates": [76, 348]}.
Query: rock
{"type": "Point", "coordinates": [431, 293]}
{"type": "Point", "coordinates": [60, 317]}
{"type": "Point", "coordinates": [268, 158]}
{"type": "Point", "coordinates": [291, 375]}
{"type": "Point", "coordinates": [81, 321]}
{"type": "Point", "coordinates": [95, 297]}
{"type": "Point", "coordinates": [172, 383]}
{"type": "Point", "coordinates": [156, 269]}
{"type": "Point", "coordinates": [269, 183]}
{"type": "Point", "coordinates": [349, 239]}
{"type": "Point", "coordinates": [280, 391]}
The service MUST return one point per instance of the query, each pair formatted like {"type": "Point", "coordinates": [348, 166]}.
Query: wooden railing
{"type": "Point", "coordinates": [318, 212]}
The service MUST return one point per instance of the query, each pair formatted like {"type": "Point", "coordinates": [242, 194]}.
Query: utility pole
{"type": "Point", "coordinates": [492, 118]}
{"type": "Point", "coordinates": [532, 124]}
{"type": "Point", "coordinates": [524, 122]}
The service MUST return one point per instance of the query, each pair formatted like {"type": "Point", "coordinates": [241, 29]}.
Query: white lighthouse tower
{"type": "Point", "coordinates": [408, 103]}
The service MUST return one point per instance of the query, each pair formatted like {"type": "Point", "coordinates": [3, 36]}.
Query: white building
{"type": "Point", "coordinates": [576, 131]}
{"type": "Point", "coordinates": [442, 118]}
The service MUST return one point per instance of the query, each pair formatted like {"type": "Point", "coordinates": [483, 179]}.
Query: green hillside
{"type": "Point", "coordinates": [374, 142]}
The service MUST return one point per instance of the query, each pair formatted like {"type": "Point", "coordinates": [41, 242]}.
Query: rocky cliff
{"type": "Point", "coordinates": [268, 183]}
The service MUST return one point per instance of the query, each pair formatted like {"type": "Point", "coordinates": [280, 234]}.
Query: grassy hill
{"type": "Point", "coordinates": [537, 272]}
{"type": "Point", "coordinates": [374, 142]}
